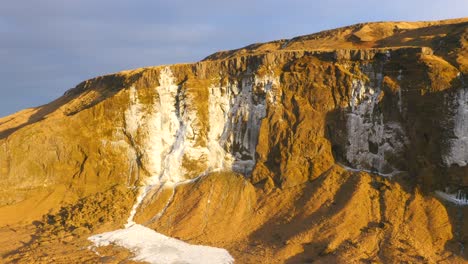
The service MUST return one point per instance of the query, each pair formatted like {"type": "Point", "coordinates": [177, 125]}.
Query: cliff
{"type": "Point", "coordinates": [346, 145]}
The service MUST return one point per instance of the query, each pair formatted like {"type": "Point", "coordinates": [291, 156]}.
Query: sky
{"type": "Point", "coordinates": [49, 46]}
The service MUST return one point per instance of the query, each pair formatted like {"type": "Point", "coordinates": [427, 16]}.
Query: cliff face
{"type": "Point", "coordinates": [337, 146]}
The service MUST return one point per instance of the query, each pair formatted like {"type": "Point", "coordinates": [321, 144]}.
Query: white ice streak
{"type": "Point", "coordinates": [152, 247]}
{"type": "Point", "coordinates": [165, 132]}
{"type": "Point", "coordinates": [161, 138]}
{"type": "Point", "coordinates": [457, 152]}
{"type": "Point", "coordinates": [218, 112]}
{"type": "Point", "coordinates": [400, 102]}
{"type": "Point", "coordinates": [458, 198]}
{"type": "Point", "coordinates": [388, 175]}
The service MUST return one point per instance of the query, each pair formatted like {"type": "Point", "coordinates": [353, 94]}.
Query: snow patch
{"type": "Point", "coordinates": [152, 247]}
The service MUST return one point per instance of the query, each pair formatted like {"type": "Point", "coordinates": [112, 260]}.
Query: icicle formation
{"type": "Point", "coordinates": [370, 139]}
{"type": "Point", "coordinates": [164, 140]}
{"type": "Point", "coordinates": [161, 145]}
{"type": "Point", "coordinates": [242, 126]}
{"type": "Point", "coordinates": [457, 142]}
{"type": "Point", "coordinates": [458, 198]}
{"type": "Point", "coordinates": [168, 132]}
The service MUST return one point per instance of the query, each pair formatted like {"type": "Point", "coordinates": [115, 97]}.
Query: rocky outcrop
{"type": "Point", "coordinates": [310, 153]}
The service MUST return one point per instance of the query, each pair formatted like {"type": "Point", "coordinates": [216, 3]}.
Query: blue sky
{"type": "Point", "coordinates": [49, 46]}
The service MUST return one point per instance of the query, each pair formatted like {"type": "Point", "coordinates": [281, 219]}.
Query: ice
{"type": "Point", "coordinates": [458, 198]}
{"type": "Point", "coordinates": [457, 152]}
{"type": "Point", "coordinates": [165, 133]}
{"type": "Point", "coordinates": [242, 126]}
{"type": "Point", "coordinates": [133, 114]}
{"type": "Point", "coordinates": [169, 129]}
{"type": "Point", "coordinates": [218, 109]}
{"type": "Point", "coordinates": [152, 247]}
{"type": "Point", "coordinates": [370, 139]}
{"type": "Point", "coordinates": [387, 175]}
